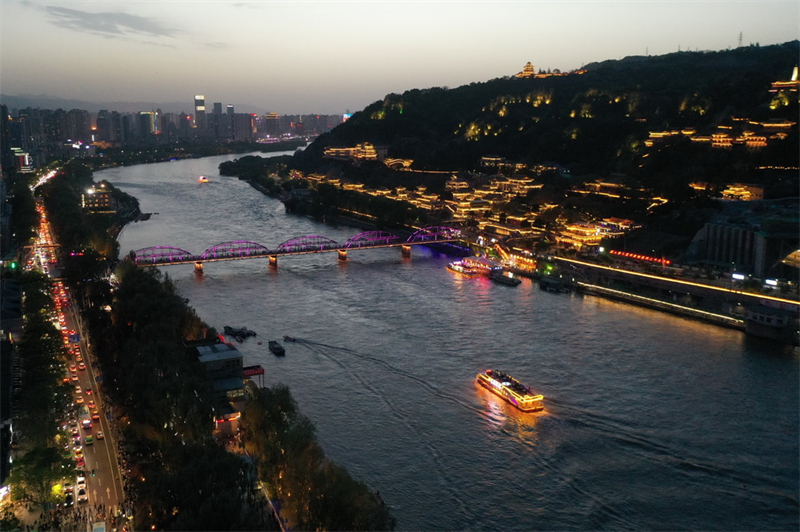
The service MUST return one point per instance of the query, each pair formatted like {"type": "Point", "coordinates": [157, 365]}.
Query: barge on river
{"type": "Point", "coordinates": [511, 390]}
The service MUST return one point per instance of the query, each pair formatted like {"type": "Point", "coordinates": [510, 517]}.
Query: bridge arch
{"type": "Point", "coordinates": [161, 255]}
{"type": "Point", "coordinates": [234, 248]}
{"type": "Point", "coordinates": [434, 233]}
{"type": "Point", "coordinates": [370, 238]}
{"type": "Point", "coordinates": [308, 243]}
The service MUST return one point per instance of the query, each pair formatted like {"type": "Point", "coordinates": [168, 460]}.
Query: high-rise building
{"type": "Point", "coordinates": [243, 127]}
{"type": "Point", "coordinates": [200, 112]}
{"type": "Point", "coordinates": [272, 125]}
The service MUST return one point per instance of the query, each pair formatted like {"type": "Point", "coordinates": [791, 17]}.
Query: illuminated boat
{"type": "Point", "coordinates": [505, 278]}
{"type": "Point", "coordinates": [202, 179]}
{"type": "Point", "coordinates": [472, 266]}
{"type": "Point", "coordinates": [511, 390]}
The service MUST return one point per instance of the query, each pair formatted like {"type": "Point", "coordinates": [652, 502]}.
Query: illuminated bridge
{"type": "Point", "coordinates": [245, 249]}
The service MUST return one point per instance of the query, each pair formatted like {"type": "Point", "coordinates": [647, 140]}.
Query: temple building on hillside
{"type": "Point", "coordinates": [528, 71]}
{"type": "Point", "coordinates": [792, 85]}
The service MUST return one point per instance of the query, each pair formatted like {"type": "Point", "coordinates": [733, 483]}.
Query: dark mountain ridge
{"type": "Point", "coordinates": [594, 122]}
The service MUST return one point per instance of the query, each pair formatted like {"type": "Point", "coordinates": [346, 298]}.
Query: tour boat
{"type": "Point", "coordinates": [472, 266]}
{"type": "Point", "coordinates": [202, 179]}
{"type": "Point", "coordinates": [511, 390]}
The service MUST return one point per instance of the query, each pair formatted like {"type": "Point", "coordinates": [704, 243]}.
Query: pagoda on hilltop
{"type": "Point", "coordinates": [528, 71]}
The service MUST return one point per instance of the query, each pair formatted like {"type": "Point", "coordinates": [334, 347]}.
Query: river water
{"type": "Point", "coordinates": [653, 422]}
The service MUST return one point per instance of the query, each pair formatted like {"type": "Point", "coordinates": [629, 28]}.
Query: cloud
{"type": "Point", "coordinates": [108, 24]}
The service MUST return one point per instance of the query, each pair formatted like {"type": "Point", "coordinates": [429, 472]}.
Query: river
{"type": "Point", "coordinates": [652, 421]}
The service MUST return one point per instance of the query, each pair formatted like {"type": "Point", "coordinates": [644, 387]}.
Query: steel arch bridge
{"type": "Point", "coordinates": [162, 255]}
{"type": "Point", "coordinates": [246, 249]}
{"type": "Point", "coordinates": [234, 249]}
{"type": "Point", "coordinates": [370, 239]}
{"type": "Point", "coordinates": [308, 244]}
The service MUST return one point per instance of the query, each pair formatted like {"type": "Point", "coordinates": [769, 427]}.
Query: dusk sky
{"type": "Point", "coordinates": [329, 56]}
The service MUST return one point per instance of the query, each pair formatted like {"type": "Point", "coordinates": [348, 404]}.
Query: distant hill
{"type": "Point", "coordinates": [43, 101]}
{"type": "Point", "coordinates": [594, 122]}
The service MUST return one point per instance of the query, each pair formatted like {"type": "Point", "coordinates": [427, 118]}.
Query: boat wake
{"type": "Point", "coordinates": [325, 350]}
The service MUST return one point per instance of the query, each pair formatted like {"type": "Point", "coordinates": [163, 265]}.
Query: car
{"type": "Point", "coordinates": [78, 356]}
{"type": "Point", "coordinates": [74, 378]}
{"type": "Point", "coordinates": [79, 400]}
{"type": "Point", "coordinates": [91, 404]}
{"type": "Point", "coordinates": [88, 440]}
{"type": "Point", "coordinates": [100, 435]}
{"type": "Point", "coordinates": [81, 366]}
{"type": "Point", "coordinates": [79, 452]}
{"type": "Point", "coordinates": [81, 462]}
{"type": "Point", "coordinates": [81, 481]}
{"type": "Point", "coordinates": [88, 391]}
{"type": "Point", "coordinates": [78, 389]}
{"type": "Point", "coordinates": [68, 488]}
{"type": "Point", "coordinates": [69, 500]}
{"type": "Point", "coordinates": [83, 497]}
{"type": "Point", "coordinates": [96, 415]}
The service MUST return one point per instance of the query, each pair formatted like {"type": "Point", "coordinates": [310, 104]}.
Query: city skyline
{"type": "Point", "coordinates": [329, 57]}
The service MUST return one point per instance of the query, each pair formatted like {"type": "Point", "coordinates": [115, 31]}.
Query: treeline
{"type": "Point", "coordinates": [315, 493]}
{"type": "Point", "coordinates": [180, 477]}
{"type": "Point", "coordinates": [330, 200]}
{"type": "Point", "coordinates": [184, 150]}
{"type": "Point", "coordinates": [41, 444]}
{"type": "Point", "coordinates": [262, 172]}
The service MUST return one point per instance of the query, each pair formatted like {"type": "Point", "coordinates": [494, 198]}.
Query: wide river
{"type": "Point", "coordinates": [652, 421]}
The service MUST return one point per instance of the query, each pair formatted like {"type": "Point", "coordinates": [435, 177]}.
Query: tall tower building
{"type": "Point", "coordinates": [200, 112]}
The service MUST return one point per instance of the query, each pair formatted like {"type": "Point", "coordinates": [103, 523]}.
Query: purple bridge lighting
{"type": "Point", "coordinates": [246, 249]}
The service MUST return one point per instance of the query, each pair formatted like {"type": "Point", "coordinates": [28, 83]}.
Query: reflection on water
{"type": "Point", "coordinates": [652, 421]}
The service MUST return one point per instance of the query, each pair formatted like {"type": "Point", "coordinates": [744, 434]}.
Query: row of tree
{"type": "Point", "coordinates": [315, 493]}
{"type": "Point", "coordinates": [41, 445]}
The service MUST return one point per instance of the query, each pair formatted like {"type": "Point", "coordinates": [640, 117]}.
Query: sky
{"type": "Point", "coordinates": [327, 57]}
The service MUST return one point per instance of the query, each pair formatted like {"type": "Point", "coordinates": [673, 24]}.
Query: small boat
{"type": "Point", "coordinates": [276, 348]}
{"type": "Point", "coordinates": [511, 390]}
{"type": "Point", "coordinates": [290, 338]}
{"type": "Point", "coordinates": [505, 278]}
{"type": "Point", "coordinates": [202, 179]}
{"type": "Point", "coordinates": [241, 332]}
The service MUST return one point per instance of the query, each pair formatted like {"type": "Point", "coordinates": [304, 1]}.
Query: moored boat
{"type": "Point", "coordinates": [276, 348]}
{"type": "Point", "coordinates": [511, 390]}
{"type": "Point", "coordinates": [202, 179]}
{"type": "Point", "coordinates": [505, 278]}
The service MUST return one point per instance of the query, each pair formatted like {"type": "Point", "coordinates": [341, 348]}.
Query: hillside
{"type": "Point", "coordinates": [592, 123]}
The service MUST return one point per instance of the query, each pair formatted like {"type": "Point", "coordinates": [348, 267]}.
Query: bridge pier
{"type": "Point", "coordinates": [342, 254]}
{"type": "Point", "coordinates": [406, 251]}
{"type": "Point", "coordinates": [198, 267]}
{"type": "Point", "coordinates": [273, 261]}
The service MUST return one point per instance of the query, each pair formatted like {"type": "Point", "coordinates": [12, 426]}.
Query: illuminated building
{"type": "Point", "coordinates": [22, 161]}
{"type": "Point", "coordinates": [200, 112]}
{"type": "Point", "coordinates": [272, 125]}
{"type": "Point", "coordinates": [792, 85]}
{"type": "Point", "coordinates": [742, 192]}
{"type": "Point", "coordinates": [528, 71]}
{"type": "Point", "coordinates": [365, 151]}
{"type": "Point", "coordinates": [98, 199]}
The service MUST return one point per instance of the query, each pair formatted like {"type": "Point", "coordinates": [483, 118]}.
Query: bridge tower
{"type": "Point", "coordinates": [273, 261]}
{"type": "Point", "coordinates": [343, 254]}
{"type": "Point", "coordinates": [198, 267]}
{"type": "Point", "coordinates": [405, 249]}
